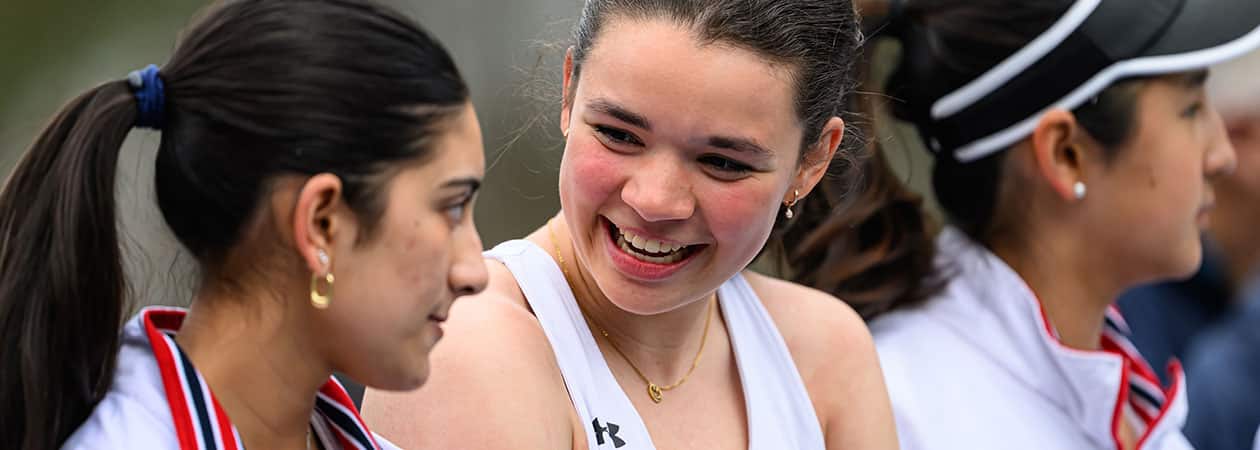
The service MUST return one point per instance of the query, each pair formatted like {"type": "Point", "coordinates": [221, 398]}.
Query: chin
{"type": "Point", "coordinates": [1185, 263]}
{"type": "Point", "coordinates": [643, 306]}
{"type": "Point", "coordinates": [1192, 264]}
{"type": "Point", "coordinates": [408, 382]}
{"type": "Point", "coordinates": [639, 299]}
{"type": "Point", "coordinates": [398, 378]}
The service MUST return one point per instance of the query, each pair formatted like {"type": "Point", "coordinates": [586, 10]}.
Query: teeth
{"type": "Point", "coordinates": [636, 246]}
{"type": "Point", "coordinates": [667, 259]}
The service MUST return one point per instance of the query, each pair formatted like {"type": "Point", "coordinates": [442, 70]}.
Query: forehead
{"type": "Point", "coordinates": [662, 71]}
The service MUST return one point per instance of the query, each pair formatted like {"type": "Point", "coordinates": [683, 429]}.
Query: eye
{"type": "Point", "coordinates": [725, 168]}
{"type": "Point", "coordinates": [457, 211]}
{"type": "Point", "coordinates": [1192, 111]}
{"type": "Point", "coordinates": [616, 136]}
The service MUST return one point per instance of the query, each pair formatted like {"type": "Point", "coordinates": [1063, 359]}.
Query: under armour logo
{"type": "Point", "coordinates": [611, 429]}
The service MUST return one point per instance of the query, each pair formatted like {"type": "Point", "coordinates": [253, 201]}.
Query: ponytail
{"type": "Point", "coordinates": [254, 90]}
{"type": "Point", "coordinates": [874, 250]}
{"type": "Point", "coordinates": [869, 243]}
{"type": "Point", "coordinates": [61, 276]}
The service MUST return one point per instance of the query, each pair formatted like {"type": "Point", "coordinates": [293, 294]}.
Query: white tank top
{"type": "Point", "coordinates": [780, 414]}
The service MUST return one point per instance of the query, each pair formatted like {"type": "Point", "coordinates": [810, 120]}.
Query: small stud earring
{"type": "Point", "coordinates": [323, 256]}
{"type": "Point", "coordinates": [1078, 189]}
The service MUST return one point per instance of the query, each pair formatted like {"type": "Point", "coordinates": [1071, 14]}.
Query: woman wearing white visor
{"type": "Point", "coordinates": [1074, 149]}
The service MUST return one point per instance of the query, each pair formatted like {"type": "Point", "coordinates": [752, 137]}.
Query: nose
{"type": "Point", "coordinates": [468, 274]}
{"type": "Point", "coordinates": [1220, 159]}
{"type": "Point", "coordinates": [660, 189]}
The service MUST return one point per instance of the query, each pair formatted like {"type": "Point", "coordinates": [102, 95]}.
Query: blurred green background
{"type": "Point", "coordinates": [508, 51]}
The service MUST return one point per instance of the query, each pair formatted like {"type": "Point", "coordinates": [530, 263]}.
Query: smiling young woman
{"type": "Point", "coordinates": [630, 319]}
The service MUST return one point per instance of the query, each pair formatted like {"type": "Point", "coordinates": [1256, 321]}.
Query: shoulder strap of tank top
{"type": "Point", "coordinates": [610, 418]}
{"type": "Point", "coordinates": [780, 413]}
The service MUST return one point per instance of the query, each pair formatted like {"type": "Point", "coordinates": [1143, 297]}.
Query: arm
{"type": "Point", "coordinates": [836, 358]}
{"type": "Point", "coordinates": [851, 380]}
{"type": "Point", "coordinates": [493, 384]}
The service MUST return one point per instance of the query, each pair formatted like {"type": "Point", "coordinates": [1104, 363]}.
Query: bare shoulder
{"type": "Point", "coordinates": [494, 382]}
{"type": "Point", "coordinates": [835, 355]}
{"type": "Point", "coordinates": [813, 323]}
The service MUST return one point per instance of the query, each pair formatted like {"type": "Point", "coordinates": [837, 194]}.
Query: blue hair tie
{"type": "Point", "coordinates": [150, 97]}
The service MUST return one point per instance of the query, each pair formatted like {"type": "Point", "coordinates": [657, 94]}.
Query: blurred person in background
{"type": "Point", "coordinates": [1212, 321]}
{"type": "Point", "coordinates": [629, 320]}
{"type": "Point", "coordinates": [1166, 317]}
{"type": "Point", "coordinates": [319, 159]}
{"type": "Point", "coordinates": [1074, 143]}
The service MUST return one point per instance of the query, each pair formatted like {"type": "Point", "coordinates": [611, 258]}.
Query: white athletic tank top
{"type": "Point", "coordinates": [780, 414]}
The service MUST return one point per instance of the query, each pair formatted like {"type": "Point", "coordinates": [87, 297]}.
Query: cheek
{"type": "Point", "coordinates": [1168, 175]}
{"type": "Point", "coordinates": [419, 256]}
{"type": "Point", "coordinates": [1182, 179]}
{"type": "Point", "coordinates": [402, 273]}
{"type": "Point", "coordinates": [589, 174]}
{"type": "Point", "coordinates": [740, 214]}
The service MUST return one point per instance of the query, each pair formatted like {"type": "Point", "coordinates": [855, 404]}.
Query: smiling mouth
{"type": "Point", "coordinates": [649, 250]}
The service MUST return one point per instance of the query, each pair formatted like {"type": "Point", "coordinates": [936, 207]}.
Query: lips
{"type": "Point", "coordinates": [647, 258]}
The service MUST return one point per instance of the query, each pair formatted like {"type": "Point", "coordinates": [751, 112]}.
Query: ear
{"type": "Point", "coordinates": [1058, 152]}
{"type": "Point", "coordinates": [818, 157]}
{"type": "Point", "coordinates": [321, 221]}
{"type": "Point", "coordinates": [565, 93]}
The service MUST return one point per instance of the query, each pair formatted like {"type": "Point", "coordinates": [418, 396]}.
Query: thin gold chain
{"type": "Point", "coordinates": [654, 390]}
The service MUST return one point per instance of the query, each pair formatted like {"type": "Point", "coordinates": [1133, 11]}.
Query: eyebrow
{"type": "Point", "coordinates": [472, 184]}
{"type": "Point", "coordinates": [1196, 79]}
{"type": "Point", "coordinates": [742, 145]}
{"type": "Point", "coordinates": [620, 113]}
{"type": "Point", "coordinates": [739, 144]}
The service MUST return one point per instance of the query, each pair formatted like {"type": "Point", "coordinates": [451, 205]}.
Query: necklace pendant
{"type": "Point", "coordinates": [654, 392]}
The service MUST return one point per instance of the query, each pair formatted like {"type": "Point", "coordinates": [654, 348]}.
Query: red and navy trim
{"type": "Point", "coordinates": [335, 407]}
{"type": "Point", "coordinates": [1141, 398]}
{"type": "Point", "coordinates": [202, 424]}
{"type": "Point", "coordinates": [1144, 400]}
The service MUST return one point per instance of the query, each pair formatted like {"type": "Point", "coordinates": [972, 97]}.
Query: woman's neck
{"type": "Point", "coordinates": [1074, 287]}
{"type": "Point", "coordinates": [257, 358]}
{"type": "Point", "coordinates": [663, 345]}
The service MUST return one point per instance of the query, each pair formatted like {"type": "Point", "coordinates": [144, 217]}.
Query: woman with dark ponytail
{"type": "Point", "coordinates": [318, 158]}
{"type": "Point", "coordinates": [1073, 149]}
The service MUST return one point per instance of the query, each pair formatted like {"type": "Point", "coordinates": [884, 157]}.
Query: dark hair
{"type": "Point", "coordinates": [255, 89]}
{"type": "Point", "coordinates": [877, 251]}
{"type": "Point", "coordinates": [819, 39]}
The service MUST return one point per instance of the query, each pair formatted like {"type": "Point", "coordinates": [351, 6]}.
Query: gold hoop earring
{"type": "Point", "coordinates": [788, 213]}
{"type": "Point", "coordinates": [318, 300]}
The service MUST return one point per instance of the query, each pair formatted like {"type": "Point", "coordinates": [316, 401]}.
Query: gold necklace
{"type": "Point", "coordinates": [655, 391]}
